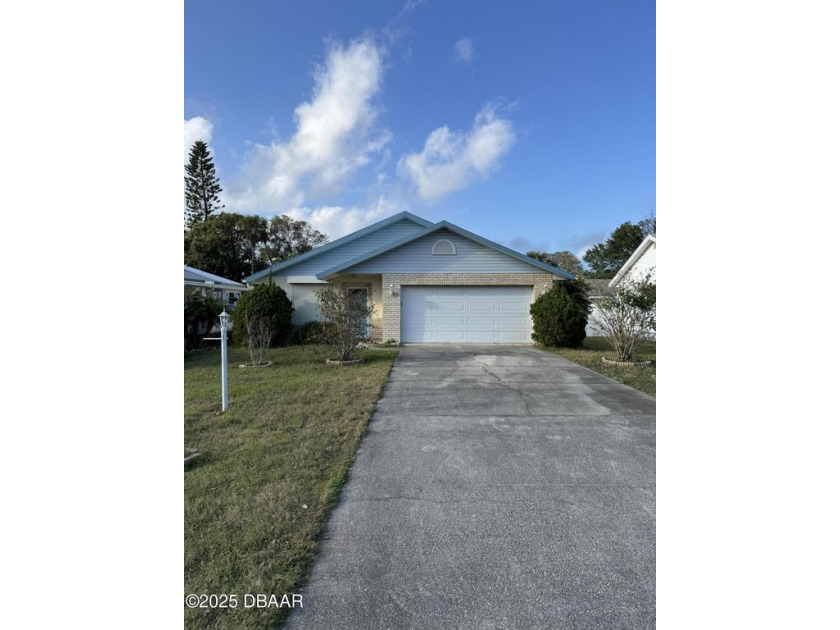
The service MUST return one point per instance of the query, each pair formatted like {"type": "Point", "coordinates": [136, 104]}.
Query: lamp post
{"type": "Point", "coordinates": [224, 318]}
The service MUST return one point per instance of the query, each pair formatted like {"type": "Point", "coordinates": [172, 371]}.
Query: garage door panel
{"type": "Point", "coordinates": [443, 335]}
{"type": "Point", "coordinates": [466, 314]}
{"type": "Point", "coordinates": [450, 291]}
{"type": "Point", "coordinates": [512, 337]}
{"type": "Point", "coordinates": [457, 321]}
{"type": "Point", "coordinates": [483, 291]}
{"type": "Point", "coordinates": [423, 322]}
{"type": "Point", "coordinates": [478, 335]}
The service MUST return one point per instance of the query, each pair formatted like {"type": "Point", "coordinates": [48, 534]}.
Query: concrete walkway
{"type": "Point", "coordinates": [498, 487]}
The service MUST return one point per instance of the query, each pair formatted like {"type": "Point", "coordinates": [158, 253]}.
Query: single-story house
{"type": "Point", "coordinates": [229, 291]}
{"type": "Point", "coordinates": [427, 282]}
{"type": "Point", "coordinates": [641, 262]}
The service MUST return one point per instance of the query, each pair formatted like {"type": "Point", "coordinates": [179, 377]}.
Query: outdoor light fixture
{"type": "Point", "coordinates": [224, 318]}
{"type": "Point", "coordinates": [393, 291]}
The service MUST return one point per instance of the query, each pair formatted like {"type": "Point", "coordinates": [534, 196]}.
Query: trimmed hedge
{"type": "Point", "coordinates": [560, 315]}
{"type": "Point", "coordinates": [264, 300]}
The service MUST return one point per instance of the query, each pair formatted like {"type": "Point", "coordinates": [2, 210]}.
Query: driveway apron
{"type": "Point", "coordinates": [497, 487]}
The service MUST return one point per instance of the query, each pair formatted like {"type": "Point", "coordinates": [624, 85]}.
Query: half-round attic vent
{"type": "Point", "coordinates": [443, 248]}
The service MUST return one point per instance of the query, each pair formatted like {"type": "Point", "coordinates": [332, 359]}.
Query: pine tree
{"type": "Point", "coordinates": [202, 185]}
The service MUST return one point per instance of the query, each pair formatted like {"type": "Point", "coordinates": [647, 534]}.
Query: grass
{"type": "Point", "coordinates": [270, 470]}
{"type": "Point", "coordinates": [638, 377]}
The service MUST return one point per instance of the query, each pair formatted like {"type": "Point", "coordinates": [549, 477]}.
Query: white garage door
{"type": "Point", "coordinates": [466, 314]}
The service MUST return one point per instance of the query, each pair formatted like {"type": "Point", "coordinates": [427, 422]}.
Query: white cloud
{"type": "Point", "coordinates": [452, 160]}
{"type": "Point", "coordinates": [464, 50]}
{"type": "Point", "coordinates": [197, 128]}
{"type": "Point", "coordinates": [581, 243]}
{"type": "Point", "coordinates": [335, 136]}
{"type": "Point", "coordinates": [337, 221]}
{"type": "Point", "coordinates": [522, 244]}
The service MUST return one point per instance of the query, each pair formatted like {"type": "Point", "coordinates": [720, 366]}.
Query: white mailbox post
{"type": "Point", "coordinates": [224, 318]}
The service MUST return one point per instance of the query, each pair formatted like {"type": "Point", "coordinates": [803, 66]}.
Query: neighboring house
{"type": "Point", "coordinates": [432, 283]}
{"type": "Point", "coordinates": [597, 288]}
{"type": "Point", "coordinates": [641, 261]}
{"type": "Point", "coordinates": [228, 291]}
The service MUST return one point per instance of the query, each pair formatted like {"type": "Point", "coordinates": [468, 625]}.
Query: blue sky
{"type": "Point", "coordinates": [532, 124]}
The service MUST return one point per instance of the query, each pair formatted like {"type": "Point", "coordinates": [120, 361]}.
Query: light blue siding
{"type": "Point", "coordinates": [353, 249]}
{"type": "Point", "coordinates": [304, 300]}
{"type": "Point", "coordinates": [416, 257]}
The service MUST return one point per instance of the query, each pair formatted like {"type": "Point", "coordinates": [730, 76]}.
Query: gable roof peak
{"type": "Point", "coordinates": [649, 240]}
{"type": "Point", "coordinates": [452, 228]}
{"type": "Point", "coordinates": [347, 238]}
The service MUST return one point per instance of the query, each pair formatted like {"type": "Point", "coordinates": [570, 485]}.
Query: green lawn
{"type": "Point", "coordinates": [642, 378]}
{"type": "Point", "coordinates": [271, 468]}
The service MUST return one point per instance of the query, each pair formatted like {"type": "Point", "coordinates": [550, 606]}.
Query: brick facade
{"type": "Point", "coordinates": [391, 303]}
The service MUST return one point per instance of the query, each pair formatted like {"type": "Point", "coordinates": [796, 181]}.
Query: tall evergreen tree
{"type": "Point", "coordinates": [202, 186]}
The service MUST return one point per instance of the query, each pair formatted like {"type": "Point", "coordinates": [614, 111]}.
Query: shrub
{"type": "Point", "coordinates": [347, 316]}
{"type": "Point", "coordinates": [264, 301]}
{"type": "Point", "coordinates": [201, 313]}
{"type": "Point", "coordinates": [560, 315]}
{"type": "Point", "coordinates": [627, 316]}
{"type": "Point", "coordinates": [310, 332]}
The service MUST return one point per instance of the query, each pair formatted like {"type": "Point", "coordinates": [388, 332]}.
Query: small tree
{"type": "Point", "coordinates": [560, 315]}
{"type": "Point", "coordinates": [627, 315]}
{"type": "Point", "coordinates": [258, 336]}
{"type": "Point", "coordinates": [347, 315]}
{"type": "Point", "coordinates": [267, 301]}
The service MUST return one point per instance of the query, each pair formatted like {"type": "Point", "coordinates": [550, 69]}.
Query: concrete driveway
{"type": "Point", "coordinates": [498, 487]}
